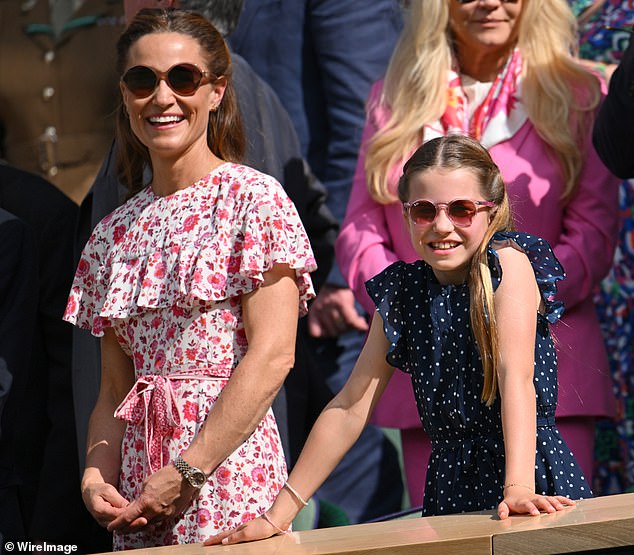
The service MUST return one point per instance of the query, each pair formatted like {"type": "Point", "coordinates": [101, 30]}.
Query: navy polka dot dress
{"type": "Point", "coordinates": [429, 329]}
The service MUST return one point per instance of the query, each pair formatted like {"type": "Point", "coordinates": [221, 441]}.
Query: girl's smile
{"type": "Point", "coordinates": [445, 246]}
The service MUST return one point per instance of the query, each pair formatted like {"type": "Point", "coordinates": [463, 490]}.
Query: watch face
{"type": "Point", "coordinates": [197, 479]}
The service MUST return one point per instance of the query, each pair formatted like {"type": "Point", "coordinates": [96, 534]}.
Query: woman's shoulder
{"type": "Point", "coordinates": [243, 184]}
{"type": "Point", "coordinates": [244, 176]}
{"type": "Point", "coordinates": [120, 218]}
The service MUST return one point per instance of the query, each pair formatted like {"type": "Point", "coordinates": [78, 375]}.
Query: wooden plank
{"type": "Point", "coordinates": [595, 524]}
{"type": "Point", "coordinates": [599, 523]}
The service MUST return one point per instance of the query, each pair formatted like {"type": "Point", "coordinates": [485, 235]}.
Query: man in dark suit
{"type": "Point", "coordinates": [321, 57]}
{"type": "Point", "coordinates": [46, 445]}
{"type": "Point", "coordinates": [614, 126]}
{"type": "Point", "coordinates": [18, 294]}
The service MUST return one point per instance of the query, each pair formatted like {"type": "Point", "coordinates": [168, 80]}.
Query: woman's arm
{"type": "Point", "coordinates": [364, 245]}
{"type": "Point", "coordinates": [105, 433]}
{"type": "Point", "coordinates": [589, 230]}
{"type": "Point", "coordinates": [334, 432]}
{"type": "Point", "coordinates": [516, 303]}
{"type": "Point", "coordinates": [270, 317]}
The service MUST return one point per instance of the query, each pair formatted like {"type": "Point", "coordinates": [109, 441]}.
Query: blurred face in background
{"type": "Point", "coordinates": [484, 26]}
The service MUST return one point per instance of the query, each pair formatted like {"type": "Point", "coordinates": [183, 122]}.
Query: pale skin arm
{"type": "Point", "coordinates": [516, 302]}
{"type": "Point", "coordinates": [105, 432]}
{"type": "Point", "coordinates": [334, 432]}
{"type": "Point", "coordinates": [270, 317]}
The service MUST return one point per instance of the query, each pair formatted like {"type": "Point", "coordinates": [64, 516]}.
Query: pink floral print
{"type": "Point", "coordinates": [167, 274]}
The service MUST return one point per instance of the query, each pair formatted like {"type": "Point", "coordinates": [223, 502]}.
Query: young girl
{"type": "Point", "coordinates": [470, 323]}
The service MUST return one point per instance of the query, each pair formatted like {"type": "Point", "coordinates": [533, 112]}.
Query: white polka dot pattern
{"type": "Point", "coordinates": [429, 329]}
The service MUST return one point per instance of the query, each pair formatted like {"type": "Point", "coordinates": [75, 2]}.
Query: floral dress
{"type": "Point", "coordinates": [167, 274]}
{"type": "Point", "coordinates": [605, 37]}
{"type": "Point", "coordinates": [429, 330]}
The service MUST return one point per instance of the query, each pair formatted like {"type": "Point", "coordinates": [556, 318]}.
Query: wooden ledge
{"type": "Point", "coordinates": [594, 524]}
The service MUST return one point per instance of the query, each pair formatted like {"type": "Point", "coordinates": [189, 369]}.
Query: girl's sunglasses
{"type": "Point", "coordinates": [183, 79]}
{"type": "Point", "coordinates": [459, 211]}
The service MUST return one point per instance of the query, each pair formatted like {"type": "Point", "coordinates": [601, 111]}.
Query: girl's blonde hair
{"type": "Point", "coordinates": [455, 152]}
{"type": "Point", "coordinates": [559, 94]}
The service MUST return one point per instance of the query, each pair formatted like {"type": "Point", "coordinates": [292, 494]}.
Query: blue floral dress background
{"type": "Point", "coordinates": [614, 450]}
{"type": "Point", "coordinates": [429, 329]}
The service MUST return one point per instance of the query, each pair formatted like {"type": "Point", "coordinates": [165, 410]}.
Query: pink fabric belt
{"type": "Point", "coordinates": [152, 401]}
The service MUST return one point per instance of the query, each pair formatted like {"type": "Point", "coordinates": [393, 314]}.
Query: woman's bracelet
{"type": "Point", "coordinates": [266, 517]}
{"type": "Point", "coordinates": [519, 486]}
{"type": "Point", "coordinates": [294, 492]}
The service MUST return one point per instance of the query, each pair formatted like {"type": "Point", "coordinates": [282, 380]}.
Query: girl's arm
{"type": "Point", "coordinates": [105, 432]}
{"type": "Point", "coordinates": [334, 432]}
{"type": "Point", "coordinates": [516, 303]}
{"type": "Point", "coordinates": [270, 317]}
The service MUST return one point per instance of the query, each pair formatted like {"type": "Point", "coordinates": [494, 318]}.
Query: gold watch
{"type": "Point", "coordinates": [193, 475]}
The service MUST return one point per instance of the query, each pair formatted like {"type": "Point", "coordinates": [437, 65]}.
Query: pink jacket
{"type": "Point", "coordinates": [583, 234]}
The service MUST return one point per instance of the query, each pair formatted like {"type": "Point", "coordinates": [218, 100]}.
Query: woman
{"type": "Point", "coordinates": [502, 72]}
{"type": "Point", "coordinates": [183, 283]}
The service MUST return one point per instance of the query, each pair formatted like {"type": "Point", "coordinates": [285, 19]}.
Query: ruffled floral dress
{"type": "Point", "coordinates": [429, 329]}
{"type": "Point", "coordinates": [167, 274]}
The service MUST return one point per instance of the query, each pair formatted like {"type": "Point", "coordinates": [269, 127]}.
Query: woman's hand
{"type": "Point", "coordinates": [164, 494]}
{"type": "Point", "coordinates": [517, 501]}
{"type": "Point", "coordinates": [103, 501]}
{"type": "Point", "coordinates": [257, 529]}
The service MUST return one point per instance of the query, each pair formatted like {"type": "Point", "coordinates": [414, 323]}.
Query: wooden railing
{"type": "Point", "coordinates": [594, 525]}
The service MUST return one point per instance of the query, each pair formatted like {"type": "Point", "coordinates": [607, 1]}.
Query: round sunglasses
{"type": "Point", "coordinates": [183, 79]}
{"type": "Point", "coordinates": [459, 211]}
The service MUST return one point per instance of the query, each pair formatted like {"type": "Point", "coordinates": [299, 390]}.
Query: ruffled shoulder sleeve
{"type": "Point", "coordinates": [209, 242]}
{"type": "Point", "coordinates": [548, 271]}
{"type": "Point", "coordinates": [90, 284]}
{"type": "Point", "coordinates": [388, 292]}
{"type": "Point", "coordinates": [259, 227]}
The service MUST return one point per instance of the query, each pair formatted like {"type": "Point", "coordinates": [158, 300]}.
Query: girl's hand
{"type": "Point", "coordinates": [517, 501]}
{"type": "Point", "coordinates": [257, 529]}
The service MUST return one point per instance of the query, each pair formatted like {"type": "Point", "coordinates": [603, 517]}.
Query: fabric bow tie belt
{"type": "Point", "coordinates": [151, 400]}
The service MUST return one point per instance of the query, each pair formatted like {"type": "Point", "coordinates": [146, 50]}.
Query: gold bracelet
{"type": "Point", "coordinates": [297, 495]}
{"type": "Point", "coordinates": [519, 486]}
{"type": "Point", "coordinates": [266, 517]}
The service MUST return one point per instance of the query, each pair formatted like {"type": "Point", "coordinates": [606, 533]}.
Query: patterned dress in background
{"type": "Point", "coordinates": [167, 274]}
{"type": "Point", "coordinates": [614, 467]}
{"type": "Point", "coordinates": [429, 330]}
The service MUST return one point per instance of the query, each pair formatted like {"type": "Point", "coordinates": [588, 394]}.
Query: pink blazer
{"type": "Point", "coordinates": [583, 234]}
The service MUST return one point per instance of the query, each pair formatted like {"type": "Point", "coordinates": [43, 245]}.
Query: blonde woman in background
{"type": "Point", "coordinates": [502, 72]}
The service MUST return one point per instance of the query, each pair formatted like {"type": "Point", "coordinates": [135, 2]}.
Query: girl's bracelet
{"type": "Point", "coordinates": [266, 517]}
{"type": "Point", "coordinates": [519, 486]}
{"type": "Point", "coordinates": [294, 492]}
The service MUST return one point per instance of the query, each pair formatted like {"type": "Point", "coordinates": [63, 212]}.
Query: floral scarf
{"type": "Point", "coordinates": [496, 119]}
